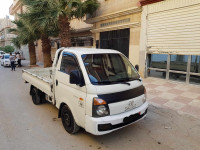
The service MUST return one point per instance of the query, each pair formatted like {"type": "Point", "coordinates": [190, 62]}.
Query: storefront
{"type": "Point", "coordinates": [171, 35]}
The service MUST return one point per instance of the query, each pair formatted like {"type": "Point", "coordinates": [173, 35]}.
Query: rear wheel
{"type": "Point", "coordinates": [68, 120]}
{"type": "Point", "coordinates": [36, 96]}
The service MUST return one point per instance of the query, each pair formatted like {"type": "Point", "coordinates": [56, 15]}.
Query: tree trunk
{"type": "Point", "coordinates": [32, 54]}
{"type": "Point", "coordinates": [46, 49]}
{"type": "Point", "coordinates": [64, 34]}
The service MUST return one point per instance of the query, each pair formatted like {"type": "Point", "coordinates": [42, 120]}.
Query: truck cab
{"type": "Point", "coordinates": [98, 90]}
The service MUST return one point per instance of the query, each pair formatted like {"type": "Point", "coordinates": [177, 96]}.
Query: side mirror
{"type": "Point", "coordinates": [76, 78]}
{"type": "Point", "coordinates": [137, 67]}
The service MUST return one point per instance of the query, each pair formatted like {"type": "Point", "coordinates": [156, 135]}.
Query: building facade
{"type": "Point", "coordinates": [170, 37]}
{"type": "Point", "coordinates": [5, 36]}
{"type": "Point", "coordinates": [18, 8]}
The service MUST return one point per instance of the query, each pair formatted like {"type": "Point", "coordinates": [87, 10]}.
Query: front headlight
{"type": "Point", "coordinates": [100, 108]}
{"type": "Point", "coordinates": [102, 111]}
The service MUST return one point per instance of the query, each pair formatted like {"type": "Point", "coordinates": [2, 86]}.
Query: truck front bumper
{"type": "Point", "coordinates": [104, 125]}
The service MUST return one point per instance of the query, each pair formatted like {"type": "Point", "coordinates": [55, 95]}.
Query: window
{"type": "Point", "coordinates": [68, 63]}
{"type": "Point", "coordinates": [7, 56]}
{"type": "Point", "coordinates": [158, 61]}
{"type": "Point", "coordinates": [109, 68]}
{"type": "Point", "coordinates": [178, 62]}
{"type": "Point", "coordinates": [184, 68]}
{"type": "Point", "coordinates": [195, 70]}
{"type": "Point", "coordinates": [157, 65]}
{"type": "Point", "coordinates": [195, 64]}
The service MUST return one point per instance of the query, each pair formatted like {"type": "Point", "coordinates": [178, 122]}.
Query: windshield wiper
{"type": "Point", "coordinates": [103, 82]}
{"type": "Point", "coordinates": [137, 79]}
{"type": "Point", "coordinates": [125, 83]}
{"type": "Point", "coordinates": [125, 80]}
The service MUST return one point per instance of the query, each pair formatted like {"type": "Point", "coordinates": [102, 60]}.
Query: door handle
{"type": "Point", "coordinates": [56, 82]}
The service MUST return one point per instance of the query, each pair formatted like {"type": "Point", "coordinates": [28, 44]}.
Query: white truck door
{"type": "Point", "coordinates": [73, 95]}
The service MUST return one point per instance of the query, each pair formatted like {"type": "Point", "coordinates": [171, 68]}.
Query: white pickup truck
{"type": "Point", "coordinates": [96, 89]}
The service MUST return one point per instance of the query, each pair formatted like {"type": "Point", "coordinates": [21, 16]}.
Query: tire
{"type": "Point", "coordinates": [68, 120]}
{"type": "Point", "coordinates": [36, 96]}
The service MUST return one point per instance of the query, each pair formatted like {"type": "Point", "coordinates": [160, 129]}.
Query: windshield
{"type": "Point", "coordinates": [7, 56]}
{"type": "Point", "coordinates": [109, 68]}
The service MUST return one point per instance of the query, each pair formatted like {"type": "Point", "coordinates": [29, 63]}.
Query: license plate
{"type": "Point", "coordinates": [130, 106]}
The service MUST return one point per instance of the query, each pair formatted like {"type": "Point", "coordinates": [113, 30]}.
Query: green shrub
{"type": "Point", "coordinates": [9, 49]}
{"type": "Point", "coordinates": [1, 48]}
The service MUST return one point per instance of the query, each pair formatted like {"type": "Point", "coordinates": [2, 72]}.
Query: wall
{"type": "Point", "coordinates": [111, 6]}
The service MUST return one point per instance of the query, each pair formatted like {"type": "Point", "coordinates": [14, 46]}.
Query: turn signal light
{"type": "Point", "coordinates": [98, 101]}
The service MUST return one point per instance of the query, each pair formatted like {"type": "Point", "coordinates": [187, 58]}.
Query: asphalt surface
{"type": "Point", "coordinates": [25, 126]}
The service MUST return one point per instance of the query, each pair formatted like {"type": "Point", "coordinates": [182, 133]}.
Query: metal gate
{"type": "Point", "coordinates": [173, 27]}
{"type": "Point", "coordinates": [117, 40]}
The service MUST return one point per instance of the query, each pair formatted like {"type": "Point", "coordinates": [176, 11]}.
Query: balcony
{"type": "Point", "coordinates": [14, 7]}
{"type": "Point", "coordinates": [11, 10]}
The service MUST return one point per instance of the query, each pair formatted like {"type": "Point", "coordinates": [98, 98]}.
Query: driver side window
{"type": "Point", "coordinates": [68, 63]}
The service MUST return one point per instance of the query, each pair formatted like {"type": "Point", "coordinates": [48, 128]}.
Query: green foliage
{"type": "Point", "coordinates": [1, 48]}
{"type": "Point", "coordinates": [9, 49]}
{"type": "Point", "coordinates": [42, 18]}
{"type": "Point", "coordinates": [17, 42]}
{"type": "Point", "coordinates": [25, 33]}
{"type": "Point", "coordinates": [44, 15]}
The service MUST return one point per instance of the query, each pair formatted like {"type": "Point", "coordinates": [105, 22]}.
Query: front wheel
{"type": "Point", "coordinates": [68, 120]}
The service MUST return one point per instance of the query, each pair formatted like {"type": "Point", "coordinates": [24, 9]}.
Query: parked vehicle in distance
{"type": "Point", "coordinates": [1, 53]}
{"type": "Point", "coordinates": [96, 89]}
{"type": "Point", "coordinates": [5, 60]}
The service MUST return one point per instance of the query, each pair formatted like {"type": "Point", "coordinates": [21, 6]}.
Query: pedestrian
{"type": "Point", "coordinates": [12, 62]}
{"type": "Point", "coordinates": [18, 59]}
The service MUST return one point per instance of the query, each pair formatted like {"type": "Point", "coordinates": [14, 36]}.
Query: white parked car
{"type": "Point", "coordinates": [5, 60]}
{"type": "Point", "coordinates": [1, 54]}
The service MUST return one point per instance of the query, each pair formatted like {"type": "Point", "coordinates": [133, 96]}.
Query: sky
{"type": "Point", "coordinates": [4, 8]}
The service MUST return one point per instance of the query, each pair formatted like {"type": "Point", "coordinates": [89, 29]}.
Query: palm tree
{"type": "Point", "coordinates": [25, 35]}
{"type": "Point", "coordinates": [37, 15]}
{"type": "Point", "coordinates": [59, 13]}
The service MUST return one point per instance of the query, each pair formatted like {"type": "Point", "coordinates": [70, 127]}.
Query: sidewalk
{"type": "Point", "coordinates": [26, 64]}
{"type": "Point", "coordinates": [183, 98]}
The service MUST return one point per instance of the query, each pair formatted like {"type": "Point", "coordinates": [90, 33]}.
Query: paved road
{"type": "Point", "coordinates": [25, 126]}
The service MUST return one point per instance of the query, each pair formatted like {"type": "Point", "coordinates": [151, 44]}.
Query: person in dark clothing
{"type": "Point", "coordinates": [12, 62]}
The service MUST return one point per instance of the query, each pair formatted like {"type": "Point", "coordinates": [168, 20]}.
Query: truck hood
{"type": "Point", "coordinates": [122, 97]}
{"type": "Point", "coordinates": [115, 88]}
